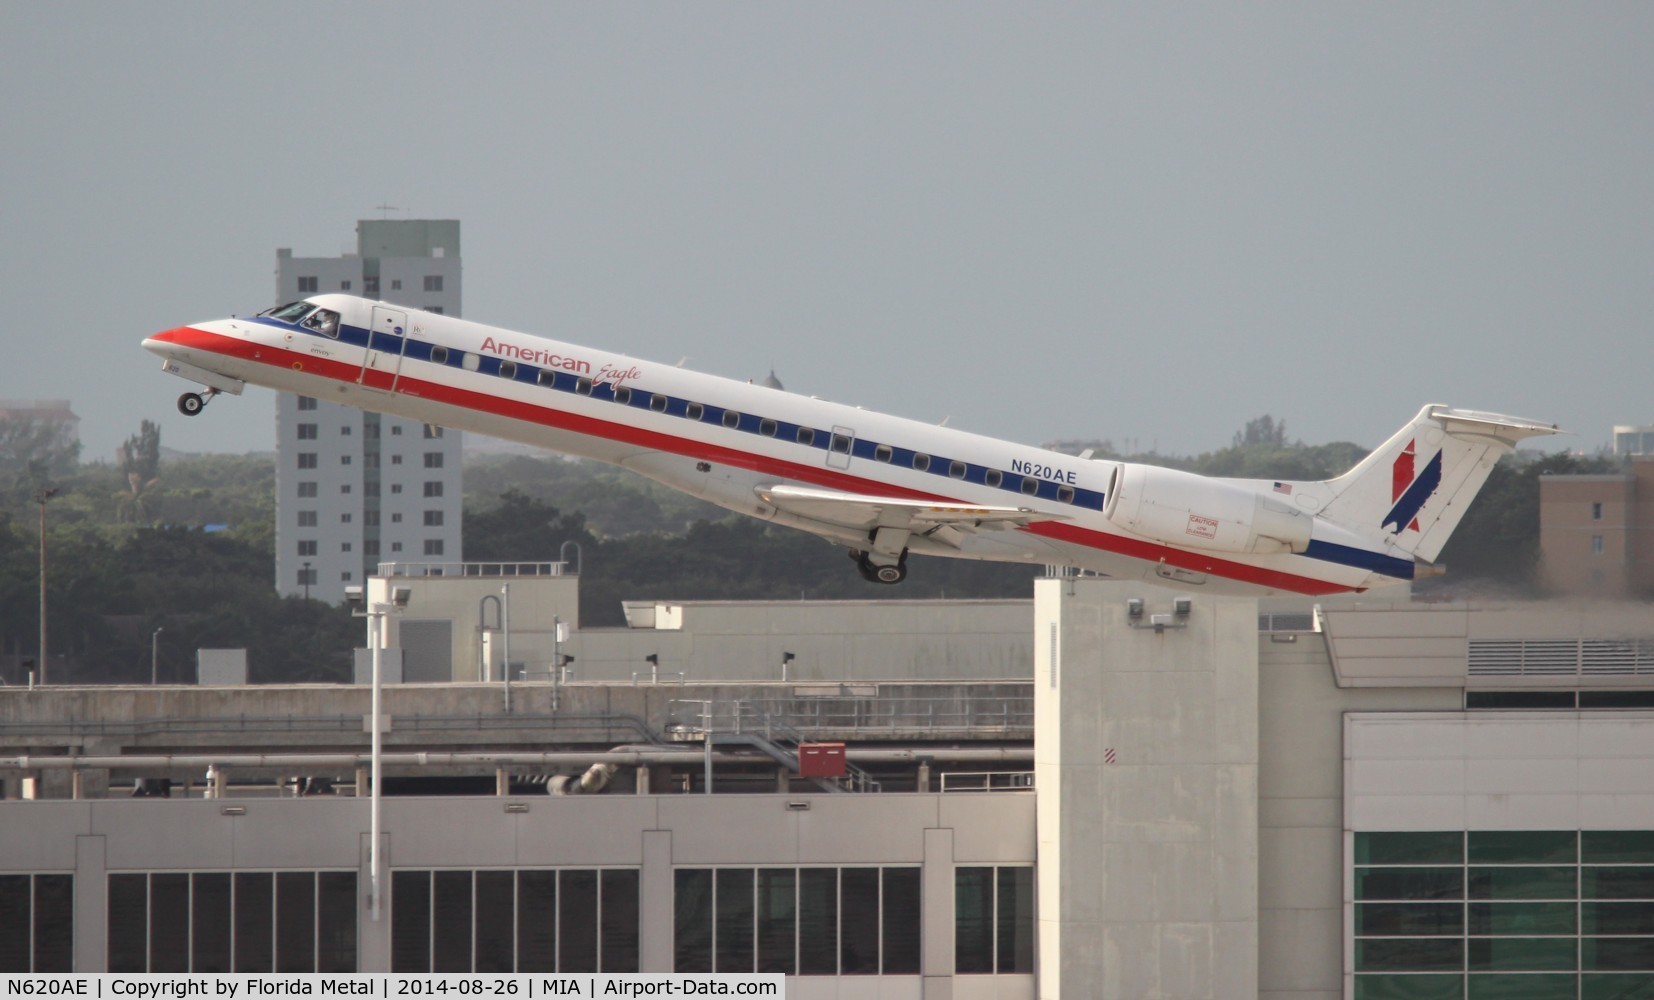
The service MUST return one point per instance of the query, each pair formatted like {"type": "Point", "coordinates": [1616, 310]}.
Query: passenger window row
{"type": "Point", "coordinates": [840, 444]}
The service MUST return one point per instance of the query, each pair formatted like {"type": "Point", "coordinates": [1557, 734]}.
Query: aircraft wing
{"type": "Point", "coordinates": [858, 510]}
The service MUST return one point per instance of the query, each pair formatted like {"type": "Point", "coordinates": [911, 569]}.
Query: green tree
{"type": "Point", "coordinates": [140, 462]}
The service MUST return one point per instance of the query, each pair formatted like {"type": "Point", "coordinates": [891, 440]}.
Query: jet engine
{"type": "Point", "coordinates": [1181, 508]}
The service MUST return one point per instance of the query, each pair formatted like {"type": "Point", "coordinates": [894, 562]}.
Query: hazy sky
{"type": "Point", "coordinates": [1145, 222]}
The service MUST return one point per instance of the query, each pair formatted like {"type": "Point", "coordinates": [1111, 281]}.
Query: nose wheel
{"type": "Point", "coordinates": [191, 403]}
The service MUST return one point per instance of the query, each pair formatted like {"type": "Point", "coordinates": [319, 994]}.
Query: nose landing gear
{"type": "Point", "coordinates": [191, 403]}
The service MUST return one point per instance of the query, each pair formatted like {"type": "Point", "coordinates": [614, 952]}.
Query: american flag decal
{"type": "Point", "coordinates": [1284, 488]}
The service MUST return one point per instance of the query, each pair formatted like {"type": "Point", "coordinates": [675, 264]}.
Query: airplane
{"type": "Point", "coordinates": [882, 486]}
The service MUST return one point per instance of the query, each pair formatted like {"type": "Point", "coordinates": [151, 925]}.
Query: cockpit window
{"type": "Point", "coordinates": [292, 312]}
{"type": "Point", "coordinates": [324, 322]}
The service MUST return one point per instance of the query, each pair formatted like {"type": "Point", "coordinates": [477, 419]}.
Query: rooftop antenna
{"type": "Point", "coordinates": [385, 210]}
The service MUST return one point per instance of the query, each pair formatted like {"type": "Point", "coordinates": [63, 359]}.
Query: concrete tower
{"type": "Point", "coordinates": [354, 488]}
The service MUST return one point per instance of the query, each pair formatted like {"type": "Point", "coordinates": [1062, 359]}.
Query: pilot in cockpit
{"type": "Point", "coordinates": [324, 322]}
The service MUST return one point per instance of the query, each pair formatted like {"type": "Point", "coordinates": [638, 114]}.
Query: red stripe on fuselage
{"type": "Point", "coordinates": [279, 357]}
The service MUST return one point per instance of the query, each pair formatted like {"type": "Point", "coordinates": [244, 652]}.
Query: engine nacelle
{"type": "Point", "coordinates": [1181, 508]}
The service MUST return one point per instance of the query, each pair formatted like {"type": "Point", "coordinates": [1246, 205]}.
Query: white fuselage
{"type": "Point", "coordinates": [717, 438]}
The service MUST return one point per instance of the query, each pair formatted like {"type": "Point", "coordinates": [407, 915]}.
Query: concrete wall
{"type": "Point", "coordinates": [1300, 811]}
{"type": "Point", "coordinates": [830, 641]}
{"type": "Point", "coordinates": [1146, 754]}
{"type": "Point", "coordinates": [467, 601]}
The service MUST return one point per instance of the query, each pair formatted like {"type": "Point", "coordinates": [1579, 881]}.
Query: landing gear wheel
{"type": "Point", "coordinates": [874, 573]}
{"type": "Point", "coordinates": [190, 403]}
{"type": "Point", "coordinates": [891, 574]}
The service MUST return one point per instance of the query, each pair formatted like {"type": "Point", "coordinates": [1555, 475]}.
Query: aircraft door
{"type": "Point", "coordinates": [839, 447]}
{"type": "Point", "coordinates": [387, 339]}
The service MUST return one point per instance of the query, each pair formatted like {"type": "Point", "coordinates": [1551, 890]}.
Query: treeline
{"type": "Point", "coordinates": [186, 545]}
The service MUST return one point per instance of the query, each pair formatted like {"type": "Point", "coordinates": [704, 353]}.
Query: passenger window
{"type": "Point", "coordinates": [694, 411]}
{"type": "Point", "coordinates": [1065, 494]}
{"type": "Point", "coordinates": [623, 395]}
{"type": "Point", "coordinates": [583, 386]}
{"type": "Point", "coordinates": [993, 477]}
{"type": "Point", "coordinates": [546, 377]}
{"type": "Point", "coordinates": [883, 453]}
{"type": "Point", "coordinates": [439, 355]}
{"type": "Point", "coordinates": [1030, 485]}
{"type": "Point", "coordinates": [956, 470]}
{"type": "Point", "coordinates": [921, 462]}
{"type": "Point", "coordinates": [806, 435]}
{"type": "Point", "coordinates": [732, 419]}
{"type": "Point", "coordinates": [841, 444]}
{"type": "Point", "coordinates": [508, 369]}
{"type": "Point", "coordinates": [470, 362]}
{"type": "Point", "coordinates": [657, 402]}
{"type": "Point", "coordinates": [766, 427]}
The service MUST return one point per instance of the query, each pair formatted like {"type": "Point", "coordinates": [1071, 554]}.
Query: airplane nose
{"type": "Point", "coordinates": [169, 343]}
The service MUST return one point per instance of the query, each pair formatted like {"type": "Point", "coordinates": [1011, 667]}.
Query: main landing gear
{"type": "Point", "coordinates": [191, 403]}
{"type": "Point", "coordinates": [888, 573]}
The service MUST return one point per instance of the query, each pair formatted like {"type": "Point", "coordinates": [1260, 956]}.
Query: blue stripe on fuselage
{"type": "Point", "coordinates": [1348, 555]}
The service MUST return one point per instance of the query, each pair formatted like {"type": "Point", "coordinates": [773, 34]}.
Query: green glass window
{"type": "Point", "coordinates": [1518, 987]}
{"type": "Point", "coordinates": [1408, 919]}
{"type": "Point", "coordinates": [1516, 954]}
{"type": "Point", "coordinates": [1409, 883]}
{"type": "Point", "coordinates": [1618, 954]}
{"type": "Point", "coordinates": [1446, 848]}
{"type": "Point", "coordinates": [1409, 954]}
{"type": "Point", "coordinates": [1617, 846]}
{"type": "Point", "coordinates": [1392, 987]}
{"type": "Point", "coordinates": [1525, 847]}
{"type": "Point", "coordinates": [1555, 882]}
{"type": "Point", "coordinates": [1616, 883]}
{"type": "Point", "coordinates": [1616, 986]}
{"type": "Point", "coordinates": [1617, 918]}
{"type": "Point", "coordinates": [1559, 917]}
{"type": "Point", "coordinates": [973, 936]}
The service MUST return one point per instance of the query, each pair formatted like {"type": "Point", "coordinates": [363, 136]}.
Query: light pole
{"type": "Point", "coordinates": [154, 656]}
{"type": "Point", "coordinates": [41, 497]}
{"type": "Point", "coordinates": [375, 613]}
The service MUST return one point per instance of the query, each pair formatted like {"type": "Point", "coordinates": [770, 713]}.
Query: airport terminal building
{"type": "Point", "coordinates": [1107, 791]}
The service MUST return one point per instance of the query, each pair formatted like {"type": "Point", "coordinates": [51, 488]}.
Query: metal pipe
{"type": "Point", "coordinates": [687, 755]}
{"type": "Point", "coordinates": [505, 627]}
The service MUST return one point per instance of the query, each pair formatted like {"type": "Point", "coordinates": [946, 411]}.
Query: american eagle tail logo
{"type": "Point", "coordinates": [1410, 490]}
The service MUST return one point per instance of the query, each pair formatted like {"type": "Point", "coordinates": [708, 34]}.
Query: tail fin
{"type": "Point", "coordinates": [1414, 489]}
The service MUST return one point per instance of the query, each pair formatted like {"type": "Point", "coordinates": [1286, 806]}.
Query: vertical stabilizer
{"type": "Point", "coordinates": [1413, 490]}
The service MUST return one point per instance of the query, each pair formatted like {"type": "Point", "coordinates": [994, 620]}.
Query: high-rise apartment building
{"type": "Point", "coordinates": [354, 489]}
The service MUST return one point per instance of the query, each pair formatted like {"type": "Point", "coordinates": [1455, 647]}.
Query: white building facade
{"type": "Point", "coordinates": [354, 488]}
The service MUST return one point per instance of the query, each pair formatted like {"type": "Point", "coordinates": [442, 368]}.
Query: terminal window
{"type": "Point", "coordinates": [797, 921]}
{"type": "Point", "coordinates": [530, 920]}
{"type": "Point", "coordinates": [253, 922]}
{"type": "Point", "coordinates": [38, 914]}
{"type": "Point", "coordinates": [1490, 913]}
{"type": "Point", "coordinates": [993, 919]}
